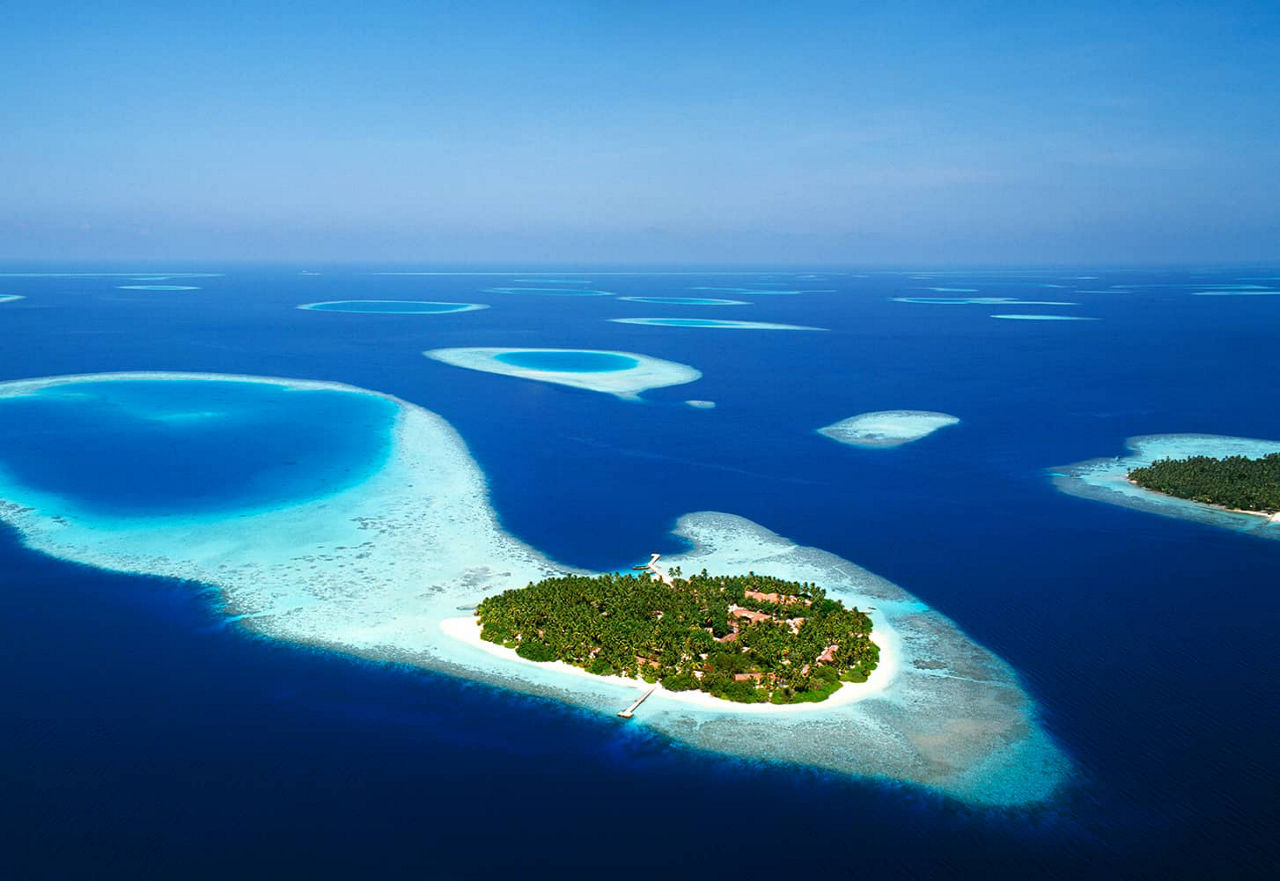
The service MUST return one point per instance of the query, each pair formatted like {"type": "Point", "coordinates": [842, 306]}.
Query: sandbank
{"type": "Point", "coordinates": [887, 428]}
{"type": "Point", "coordinates": [9, 298]}
{"type": "Point", "coordinates": [1107, 479]}
{"type": "Point", "coordinates": [648, 372]}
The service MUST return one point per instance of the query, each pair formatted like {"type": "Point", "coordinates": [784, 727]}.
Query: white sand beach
{"type": "Point", "coordinates": [1107, 479]}
{"type": "Point", "coordinates": [648, 373]}
{"type": "Point", "coordinates": [391, 569]}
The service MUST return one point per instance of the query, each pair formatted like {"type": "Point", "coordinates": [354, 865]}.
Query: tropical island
{"type": "Point", "coordinates": [1235, 482]}
{"type": "Point", "coordinates": [747, 638]}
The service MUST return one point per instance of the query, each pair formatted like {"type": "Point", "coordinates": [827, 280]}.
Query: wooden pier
{"type": "Point", "coordinates": [630, 711]}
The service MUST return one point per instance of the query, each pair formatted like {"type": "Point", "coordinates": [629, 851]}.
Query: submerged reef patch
{"type": "Point", "coordinates": [381, 568]}
{"type": "Point", "coordinates": [720, 323]}
{"type": "Point", "coordinates": [733, 290]}
{"type": "Point", "coordinates": [701, 405]}
{"type": "Point", "coordinates": [9, 298]}
{"type": "Point", "coordinates": [686, 301]}
{"type": "Point", "coordinates": [551, 292]}
{"type": "Point", "coordinates": [157, 287]}
{"type": "Point", "coordinates": [624, 374]}
{"type": "Point", "coordinates": [1030, 317]}
{"type": "Point", "coordinates": [154, 275]}
{"type": "Point", "coordinates": [1107, 479]}
{"type": "Point", "coordinates": [392, 307]}
{"type": "Point", "coordinates": [979, 301]}
{"type": "Point", "coordinates": [887, 428]}
{"type": "Point", "coordinates": [1240, 292]}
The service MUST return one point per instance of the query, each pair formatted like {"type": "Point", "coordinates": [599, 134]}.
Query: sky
{"type": "Point", "coordinates": [708, 133]}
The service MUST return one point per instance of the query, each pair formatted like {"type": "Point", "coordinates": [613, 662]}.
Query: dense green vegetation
{"type": "Point", "coordinates": [1234, 482]}
{"type": "Point", "coordinates": [697, 634]}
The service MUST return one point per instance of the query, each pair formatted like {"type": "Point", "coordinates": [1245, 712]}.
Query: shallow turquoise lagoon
{"type": "Point", "coordinates": [1029, 317]}
{"type": "Point", "coordinates": [135, 448]}
{"type": "Point", "coordinates": [552, 281]}
{"type": "Point", "coordinates": [980, 301]}
{"type": "Point", "coordinates": [551, 292]}
{"type": "Point", "coordinates": [1246, 291]}
{"type": "Point", "coordinates": [392, 307]}
{"type": "Point", "coordinates": [568, 361]}
{"type": "Point", "coordinates": [686, 301]}
{"type": "Point", "coordinates": [720, 323]}
{"type": "Point", "coordinates": [733, 290]}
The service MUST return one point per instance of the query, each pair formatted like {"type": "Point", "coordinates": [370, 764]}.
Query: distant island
{"type": "Point", "coordinates": [1235, 482]}
{"type": "Point", "coordinates": [748, 638]}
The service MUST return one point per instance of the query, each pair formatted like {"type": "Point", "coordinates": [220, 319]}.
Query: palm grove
{"type": "Point", "coordinates": [1233, 481]}
{"type": "Point", "coordinates": [746, 638]}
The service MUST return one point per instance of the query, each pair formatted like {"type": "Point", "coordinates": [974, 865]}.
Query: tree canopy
{"type": "Point", "coordinates": [1233, 481]}
{"type": "Point", "coordinates": [746, 638]}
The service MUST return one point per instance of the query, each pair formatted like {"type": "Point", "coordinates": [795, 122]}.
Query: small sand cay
{"type": "Point", "coordinates": [391, 568]}
{"type": "Point", "coordinates": [1107, 479]}
{"type": "Point", "coordinates": [887, 428]}
{"type": "Point", "coordinates": [624, 374]}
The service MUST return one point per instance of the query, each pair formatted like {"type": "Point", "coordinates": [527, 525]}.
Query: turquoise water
{"type": "Point", "coordinates": [151, 448]}
{"type": "Point", "coordinates": [568, 361]}
{"type": "Point", "coordinates": [737, 290]}
{"type": "Point", "coordinates": [1013, 317]}
{"type": "Point", "coordinates": [392, 307]}
{"type": "Point", "coordinates": [551, 292]}
{"type": "Point", "coordinates": [723, 323]}
{"type": "Point", "coordinates": [686, 301]}
{"type": "Point", "coordinates": [158, 287]}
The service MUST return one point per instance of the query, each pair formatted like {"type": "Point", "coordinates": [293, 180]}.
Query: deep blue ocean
{"type": "Point", "coordinates": [145, 735]}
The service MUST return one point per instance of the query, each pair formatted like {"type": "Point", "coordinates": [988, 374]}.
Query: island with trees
{"type": "Point", "coordinates": [1235, 482]}
{"type": "Point", "coordinates": [748, 638]}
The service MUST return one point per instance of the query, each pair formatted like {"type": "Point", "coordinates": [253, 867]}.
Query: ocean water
{"type": "Point", "coordinates": [174, 447]}
{"type": "Point", "coordinates": [147, 734]}
{"type": "Point", "coordinates": [394, 307]}
{"type": "Point", "coordinates": [568, 361]}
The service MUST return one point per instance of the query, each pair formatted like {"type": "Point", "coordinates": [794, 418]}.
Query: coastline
{"type": "Point", "coordinates": [467, 630]}
{"type": "Point", "coordinates": [1107, 479]}
{"type": "Point", "coordinates": [374, 569]}
{"type": "Point", "coordinates": [1269, 515]}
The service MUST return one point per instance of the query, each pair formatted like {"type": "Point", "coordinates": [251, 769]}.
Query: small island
{"type": "Point", "coordinates": [1238, 483]}
{"type": "Point", "coordinates": [748, 638]}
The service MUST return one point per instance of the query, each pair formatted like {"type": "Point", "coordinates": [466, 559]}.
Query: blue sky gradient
{"type": "Point", "coordinates": [597, 132]}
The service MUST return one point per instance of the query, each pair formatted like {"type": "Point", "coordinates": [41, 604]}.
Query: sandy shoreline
{"type": "Point", "coordinates": [375, 570]}
{"type": "Point", "coordinates": [1269, 515]}
{"type": "Point", "coordinates": [1107, 479]}
{"type": "Point", "coordinates": [467, 630]}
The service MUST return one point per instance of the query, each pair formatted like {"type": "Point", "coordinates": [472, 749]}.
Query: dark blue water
{"type": "Point", "coordinates": [131, 449]}
{"type": "Point", "coordinates": [143, 735]}
{"type": "Point", "coordinates": [568, 361]}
